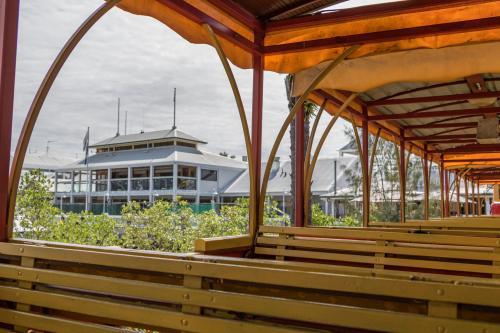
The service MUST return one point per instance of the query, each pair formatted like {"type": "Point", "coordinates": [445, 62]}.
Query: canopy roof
{"type": "Point", "coordinates": [424, 57]}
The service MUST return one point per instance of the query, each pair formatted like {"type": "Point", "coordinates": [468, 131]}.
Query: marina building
{"type": "Point", "coordinates": [145, 167]}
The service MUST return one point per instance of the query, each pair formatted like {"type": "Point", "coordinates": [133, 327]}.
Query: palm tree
{"type": "Point", "coordinates": [309, 111]}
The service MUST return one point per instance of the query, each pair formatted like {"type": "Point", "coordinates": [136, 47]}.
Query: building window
{"type": "Point", "coordinates": [99, 180]}
{"type": "Point", "coordinates": [80, 179]}
{"type": "Point", "coordinates": [119, 173]}
{"type": "Point", "coordinates": [63, 182]}
{"type": "Point", "coordinates": [163, 177]}
{"type": "Point", "coordinates": [186, 178]}
{"type": "Point", "coordinates": [142, 172]}
{"type": "Point", "coordinates": [119, 179]}
{"type": "Point", "coordinates": [164, 171]}
{"type": "Point", "coordinates": [186, 144]}
{"type": "Point", "coordinates": [142, 146]}
{"type": "Point", "coordinates": [140, 179]}
{"type": "Point", "coordinates": [123, 148]}
{"type": "Point", "coordinates": [186, 171]}
{"type": "Point", "coordinates": [163, 144]}
{"type": "Point", "coordinates": [209, 175]}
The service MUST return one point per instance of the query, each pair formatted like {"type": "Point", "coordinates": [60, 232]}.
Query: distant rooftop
{"type": "Point", "coordinates": [147, 137]}
{"type": "Point", "coordinates": [160, 155]}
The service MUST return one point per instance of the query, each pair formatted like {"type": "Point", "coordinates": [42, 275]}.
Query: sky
{"type": "Point", "coordinates": [139, 60]}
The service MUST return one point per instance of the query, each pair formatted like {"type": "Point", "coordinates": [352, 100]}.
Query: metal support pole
{"type": "Point", "coordinates": [365, 162]}
{"type": "Point", "coordinates": [479, 206]}
{"type": "Point", "coordinates": [466, 205]}
{"type": "Point", "coordinates": [473, 211]}
{"type": "Point", "coordinates": [457, 186]}
{"type": "Point", "coordinates": [299, 168]}
{"type": "Point", "coordinates": [441, 186]}
{"type": "Point", "coordinates": [426, 183]}
{"type": "Point", "coordinates": [447, 193]}
{"type": "Point", "coordinates": [9, 13]}
{"type": "Point", "coordinates": [402, 177]}
{"type": "Point", "coordinates": [257, 104]}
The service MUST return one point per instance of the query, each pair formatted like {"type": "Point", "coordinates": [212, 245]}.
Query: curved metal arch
{"type": "Point", "coordinates": [39, 99]}
{"type": "Point", "coordinates": [243, 119]}
{"type": "Point", "coordinates": [321, 142]}
{"type": "Point", "coordinates": [289, 119]}
{"type": "Point", "coordinates": [307, 158]}
{"type": "Point", "coordinates": [372, 157]}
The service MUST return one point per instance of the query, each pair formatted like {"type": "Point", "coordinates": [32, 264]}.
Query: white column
{"type": "Point", "coordinates": [55, 182]}
{"type": "Point", "coordinates": [129, 183]}
{"type": "Point", "coordinates": [151, 169]}
{"type": "Point", "coordinates": [174, 187]}
{"type": "Point", "coordinates": [198, 185]}
{"type": "Point", "coordinates": [109, 180]}
{"type": "Point", "coordinates": [89, 188]}
{"type": "Point", "coordinates": [72, 186]}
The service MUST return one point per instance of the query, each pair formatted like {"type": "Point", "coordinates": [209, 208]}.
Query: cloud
{"type": "Point", "coordinates": [139, 60]}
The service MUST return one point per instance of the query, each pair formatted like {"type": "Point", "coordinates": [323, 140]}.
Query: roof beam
{"type": "Point", "coordinates": [472, 124]}
{"type": "Point", "coordinates": [452, 141]}
{"type": "Point", "coordinates": [435, 114]}
{"type": "Point", "coordinates": [468, 149]}
{"type": "Point", "coordinates": [220, 29]}
{"type": "Point", "coordinates": [298, 5]}
{"type": "Point", "coordinates": [239, 13]}
{"type": "Point", "coordinates": [386, 36]}
{"type": "Point", "coordinates": [471, 160]}
{"type": "Point", "coordinates": [442, 98]}
{"type": "Point", "coordinates": [440, 137]}
{"type": "Point", "coordinates": [367, 12]}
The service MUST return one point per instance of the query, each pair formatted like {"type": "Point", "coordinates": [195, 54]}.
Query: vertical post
{"type": "Point", "coordinates": [479, 206]}
{"type": "Point", "coordinates": [365, 161]}
{"type": "Point", "coordinates": [257, 103]}
{"type": "Point", "coordinates": [473, 210]}
{"type": "Point", "coordinates": [466, 205]}
{"type": "Point", "coordinates": [425, 172]}
{"type": "Point", "coordinates": [447, 193]}
{"type": "Point", "coordinates": [9, 13]}
{"type": "Point", "coordinates": [441, 186]}
{"type": "Point", "coordinates": [457, 186]}
{"type": "Point", "coordinates": [402, 177]}
{"type": "Point", "coordinates": [299, 168]}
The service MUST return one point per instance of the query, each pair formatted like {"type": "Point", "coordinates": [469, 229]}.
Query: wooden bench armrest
{"type": "Point", "coordinates": [224, 243]}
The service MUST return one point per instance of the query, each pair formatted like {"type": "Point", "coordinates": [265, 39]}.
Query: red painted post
{"type": "Point", "coordinates": [447, 193]}
{"type": "Point", "coordinates": [9, 14]}
{"type": "Point", "coordinates": [257, 104]}
{"type": "Point", "coordinates": [479, 206]}
{"type": "Point", "coordinates": [402, 178]}
{"type": "Point", "coordinates": [442, 186]}
{"type": "Point", "coordinates": [457, 186]}
{"type": "Point", "coordinates": [425, 172]}
{"type": "Point", "coordinates": [466, 204]}
{"type": "Point", "coordinates": [299, 168]}
{"type": "Point", "coordinates": [365, 166]}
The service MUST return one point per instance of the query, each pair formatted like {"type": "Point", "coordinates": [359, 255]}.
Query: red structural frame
{"type": "Point", "coordinates": [9, 11]}
{"type": "Point", "coordinates": [9, 14]}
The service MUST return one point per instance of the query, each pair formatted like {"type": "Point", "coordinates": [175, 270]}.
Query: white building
{"type": "Point", "coordinates": [145, 167]}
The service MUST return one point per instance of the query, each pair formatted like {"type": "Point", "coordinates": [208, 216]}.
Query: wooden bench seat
{"type": "Point", "coordinates": [470, 224]}
{"type": "Point", "coordinates": [81, 289]}
{"type": "Point", "coordinates": [439, 253]}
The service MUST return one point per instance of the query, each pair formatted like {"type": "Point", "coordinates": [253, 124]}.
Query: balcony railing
{"type": "Point", "coordinates": [140, 184]}
{"type": "Point", "coordinates": [163, 183]}
{"type": "Point", "coordinates": [119, 185]}
{"type": "Point", "coordinates": [99, 185]}
{"type": "Point", "coordinates": [186, 184]}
